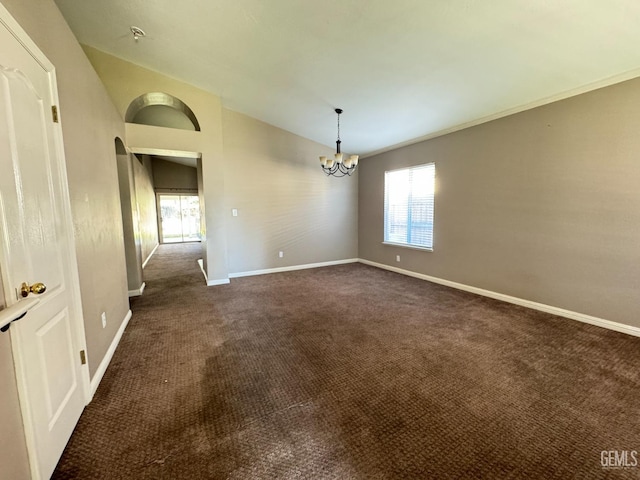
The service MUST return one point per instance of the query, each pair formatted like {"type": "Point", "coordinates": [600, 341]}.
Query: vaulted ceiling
{"type": "Point", "coordinates": [401, 70]}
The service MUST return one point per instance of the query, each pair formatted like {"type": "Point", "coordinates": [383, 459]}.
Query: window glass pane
{"type": "Point", "coordinates": [179, 218]}
{"type": "Point", "coordinates": [408, 206]}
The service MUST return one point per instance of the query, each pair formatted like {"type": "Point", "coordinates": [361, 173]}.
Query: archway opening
{"type": "Point", "coordinates": [130, 224]}
{"type": "Point", "coordinates": [161, 110]}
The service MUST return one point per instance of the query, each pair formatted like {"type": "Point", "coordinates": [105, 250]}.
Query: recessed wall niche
{"type": "Point", "coordinates": [162, 110]}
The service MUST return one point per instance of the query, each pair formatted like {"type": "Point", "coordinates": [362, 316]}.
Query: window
{"type": "Point", "coordinates": [179, 218]}
{"type": "Point", "coordinates": [408, 206]}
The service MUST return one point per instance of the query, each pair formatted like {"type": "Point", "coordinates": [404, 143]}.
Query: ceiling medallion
{"type": "Point", "coordinates": [137, 33]}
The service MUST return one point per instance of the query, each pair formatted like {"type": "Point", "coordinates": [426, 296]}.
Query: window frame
{"type": "Point", "coordinates": [430, 203]}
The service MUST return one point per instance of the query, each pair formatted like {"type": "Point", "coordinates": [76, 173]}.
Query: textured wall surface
{"type": "Point", "coordinates": [543, 205]}
{"type": "Point", "coordinates": [130, 221]}
{"type": "Point", "coordinates": [171, 176]}
{"type": "Point", "coordinates": [284, 200]}
{"type": "Point", "coordinates": [143, 177]}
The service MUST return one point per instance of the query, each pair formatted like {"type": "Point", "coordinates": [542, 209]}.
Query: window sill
{"type": "Point", "coordinates": [412, 247]}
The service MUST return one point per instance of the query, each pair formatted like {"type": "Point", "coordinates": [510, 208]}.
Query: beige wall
{"type": "Point", "coordinates": [171, 176]}
{"type": "Point", "coordinates": [14, 463]}
{"type": "Point", "coordinates": [284, 200]}
{"type": "Point", "coordinates": [90, 124]}
{"type": "Point", "coordinates": [146, 204]}
{"type": "Point", "coordinates": [203, 213]}
{"type": "Point", "coordinates": [543, 205]}
{"type": "Point", "coordinates": [271, 176]}
{"type": "Point", "coordinates": [138, 205]}
{"type": "Point", "coordinates": [125, 82]}
{"type": "Point", "coordinates": [131, 225]}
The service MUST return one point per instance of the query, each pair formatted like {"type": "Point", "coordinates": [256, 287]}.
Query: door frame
{"type": "Point", "coordinates": [71, 263]}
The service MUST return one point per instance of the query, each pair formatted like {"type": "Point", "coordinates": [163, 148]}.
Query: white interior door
{"type": "Point", "coordinates": [37, 246]}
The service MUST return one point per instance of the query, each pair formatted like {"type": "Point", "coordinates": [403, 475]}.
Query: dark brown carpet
{"type": "Point", "coordinates": [351, 372]}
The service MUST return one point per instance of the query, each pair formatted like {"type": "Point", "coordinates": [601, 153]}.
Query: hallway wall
{"type": "Point", "coordinates": [130, 221]}
{"type": "Point", "coordinates": [146, 197]}
{"type": "Point", "coordinates": [173, 177]}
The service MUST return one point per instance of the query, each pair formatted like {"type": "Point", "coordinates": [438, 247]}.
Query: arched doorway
{"type": "Point", "coordinates": [159, 109]}
{"type": "Point", "coordinates": [130, 219]}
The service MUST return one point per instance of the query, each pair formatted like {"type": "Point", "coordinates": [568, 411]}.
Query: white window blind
{"type": "Point", "coordinates": [408, 205]}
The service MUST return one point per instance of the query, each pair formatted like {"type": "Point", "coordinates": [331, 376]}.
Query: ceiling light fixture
{"type": "Point", "coordinates": [336, 166]}
{"type": "Point", "coordinates": [137, 33]}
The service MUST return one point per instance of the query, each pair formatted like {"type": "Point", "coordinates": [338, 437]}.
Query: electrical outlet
{"type": "Point", "coordinates": [397, 258]}
{"type": "Point", "coordinates": [281, 254]}
{"type": "Point", "coordinates": [104, 319]}
{"type": "Point", "coordinates": [234, 212]}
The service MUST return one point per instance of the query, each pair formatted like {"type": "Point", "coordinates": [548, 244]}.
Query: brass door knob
{"type": "Point", "coordinates": [37, 288]}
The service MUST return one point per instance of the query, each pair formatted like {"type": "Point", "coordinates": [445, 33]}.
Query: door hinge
{"type": "Point", "coordinates": [83, 357]}
{"type": "Point", "coordinates": [54, 113]}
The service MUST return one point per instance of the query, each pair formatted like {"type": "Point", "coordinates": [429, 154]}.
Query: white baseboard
{"type": "Point", "coordinates": [137, 292]}
{"type": "Point", "coordinates": [581, 317]}
{"type": "Point", "coordinates": [293, 267]}
{"type": "Point", "coordinates": [201, 263]}
{"type": "Point", "coordinates": [144, 264]}
{"type": "Point", "coordinates": [212, 283]}
{"type": "Point", "coordinates": [102, 368]}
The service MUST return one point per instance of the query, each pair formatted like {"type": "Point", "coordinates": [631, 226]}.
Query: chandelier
{"type": "Point", "coordinates": [338, 166]}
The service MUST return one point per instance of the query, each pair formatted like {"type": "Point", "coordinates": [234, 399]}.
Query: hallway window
{"type": "Point", "coordinates": [179, 218]}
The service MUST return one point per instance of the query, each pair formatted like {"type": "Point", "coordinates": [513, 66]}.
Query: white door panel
{"type": "Point", "coordinates": [36, 241]}
{"type": "Point", "coordinates": [31, 166]}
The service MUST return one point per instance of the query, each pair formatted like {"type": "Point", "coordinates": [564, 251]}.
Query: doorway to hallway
{"type": "Point", "coordinates": [178, 218]}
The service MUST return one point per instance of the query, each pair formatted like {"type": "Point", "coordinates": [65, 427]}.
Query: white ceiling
{"type": "Point", "coordinates": [401, 69]}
